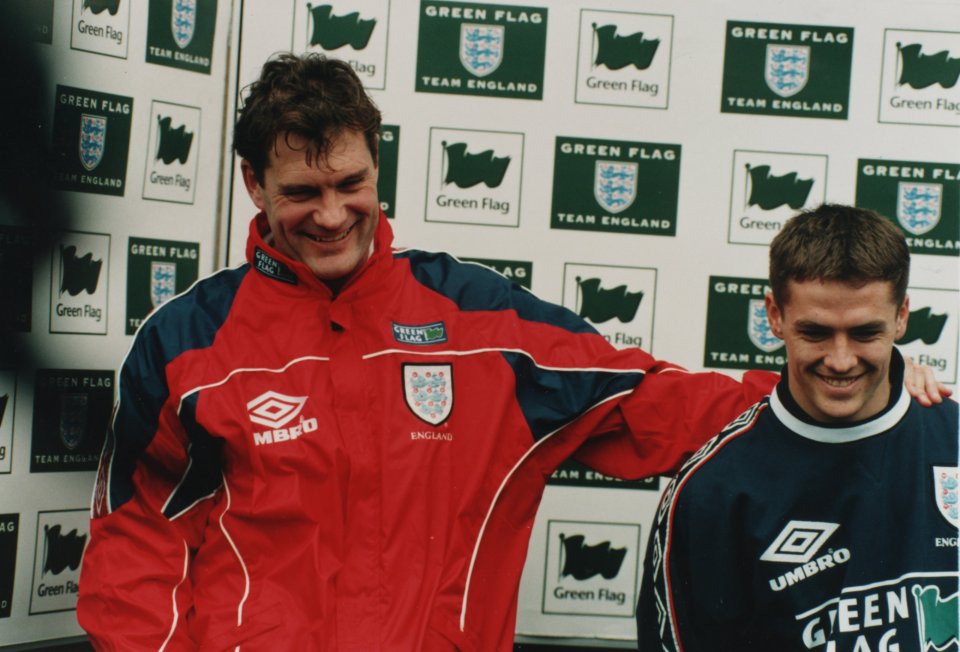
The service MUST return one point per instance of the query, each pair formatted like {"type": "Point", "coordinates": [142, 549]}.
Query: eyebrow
{"type": "Point", "coordinates": [870, 325]}
{"type": "Point", "coordinates": [349, 177]}
{"type": "Point", "coordinates": [294, 187]}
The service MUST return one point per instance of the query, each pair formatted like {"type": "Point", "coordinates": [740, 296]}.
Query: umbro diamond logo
{"type": "Point", "coordinates": [275, 410]}
{"type": "Point", "coordinates": [799, 541]}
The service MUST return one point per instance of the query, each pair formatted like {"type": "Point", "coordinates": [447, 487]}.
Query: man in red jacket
{"type": "Point", "coordinates": [340, 445]}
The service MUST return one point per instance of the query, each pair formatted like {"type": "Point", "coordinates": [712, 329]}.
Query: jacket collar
{"type": "Point", "coordinates": [273, 264]}
{"type": "Point", "coordinates": [787, 410]}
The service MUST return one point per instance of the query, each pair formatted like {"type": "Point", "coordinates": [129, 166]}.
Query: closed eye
{"type": "Point", "coordinates": [866, 334]}
{"type": "Point", "coordinates": [298, 193]}
{"type": "Point", "coordinates": [814, 334]}
{"type": "Point", "coordinates": [352, 182]}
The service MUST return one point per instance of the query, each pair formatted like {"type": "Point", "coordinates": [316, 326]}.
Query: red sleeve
{"type": "Point", "coordinates": [670, 414]}
{"type": "Point", "coordinates": [135, 589]}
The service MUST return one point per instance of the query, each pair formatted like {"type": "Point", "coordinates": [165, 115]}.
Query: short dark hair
{"type": "Point", "coordinates": [839, 243]}
{"type": "Point", "coordinates": [310, 96]}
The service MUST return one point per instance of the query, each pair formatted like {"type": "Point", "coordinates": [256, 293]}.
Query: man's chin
{"type": "Point", "coordinates": [333, 272]}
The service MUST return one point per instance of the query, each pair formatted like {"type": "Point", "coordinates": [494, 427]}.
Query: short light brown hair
{"type": "Point", "coordinates": [310, 96]}
{"type": "Point", "coordinates": [839, 243]}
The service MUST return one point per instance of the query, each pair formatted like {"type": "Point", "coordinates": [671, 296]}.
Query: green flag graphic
{"type": "Point", "coordinates": [923, 325]}
{"type": "Point", "coordinates": [331, 32]}
{"type": "Point", "coordinates": [938, 618]}
{"type": "Point", "coordinates": [600, 305]}
{"type": "Point", "coordinates": [616, 52]}
{"type": "Point", "coordinates": [769, 192]}
{"type": "Point", "coordinates": [98, 6]}
{"type": "Point", "coordinates": [467, 170]}
{"type": "Point", "coordinates": [173, 144]}
{"type": "Point", "coordinates": [921, 70]}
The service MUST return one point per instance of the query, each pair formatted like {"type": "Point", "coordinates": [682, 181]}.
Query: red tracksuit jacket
{"type": "Point", "coordinates": [293, 470]}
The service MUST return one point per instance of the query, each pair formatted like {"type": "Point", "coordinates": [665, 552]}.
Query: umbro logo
{"type": "Point", "coordinates": [799, 541]}
{"type": "Point", "coordinates": [275, 410]}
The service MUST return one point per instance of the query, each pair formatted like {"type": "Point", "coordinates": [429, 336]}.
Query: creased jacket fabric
{"type": "Point", "coordinates": [293, 470]}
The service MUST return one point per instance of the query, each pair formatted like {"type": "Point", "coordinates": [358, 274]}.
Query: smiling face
{"type": "Point", "coordinates": [323, 214]}
{"type": "Point", "coordinates": [839, 340]}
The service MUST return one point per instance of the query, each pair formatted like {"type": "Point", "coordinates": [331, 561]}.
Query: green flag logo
{"type": "Point", "coordinates": [787, 70]}
{"type": "Point", "coordinates": [173, 143]}
{"type": "Point", "coordinates": [467, 170]}
{"type": "Point", "coordinates": [180, 33]}
{"type": "Point", "coordinates": [599, 305]}
{"type": "Point", "coordinates": [467, 48]}
{"type": "Point", "coordinates": [91, 145]}
{"type": "Point", "coordinates": [768, 191]}
{"type": "Point", "coordinates": [938, 618]}
{"type": "Point", "coordinates": [615, 52]}
{"type": "Point", "coordinates": [919, 70]}
{"type": "Point", "coordinates": [98, 6]}
{"type": "Point", "coordinates": [923, 325]}
{"type": "Point", "coordinates": [332, 32]}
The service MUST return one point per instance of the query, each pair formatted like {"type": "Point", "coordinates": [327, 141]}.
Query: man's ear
{"type": "Point", "coordinates": [254, 189]}
{"type": "Point", "coordinates": [903, 313]}
{"type": "Point", "coordinates": [774, 316]}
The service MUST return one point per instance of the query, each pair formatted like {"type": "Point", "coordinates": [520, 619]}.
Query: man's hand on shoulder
{"type": "Point", "coordinates": [922, 385]}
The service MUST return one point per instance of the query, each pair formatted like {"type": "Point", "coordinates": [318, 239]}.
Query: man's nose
{"type": "Point", "coordinates": [840, 356]}
{"type": "Point", "coordinates": [329, 212]}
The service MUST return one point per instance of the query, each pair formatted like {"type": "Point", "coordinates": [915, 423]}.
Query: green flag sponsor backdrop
{"type": "Point", "coordinates": [9, 526]}
{"type": "Point", "coordinates": [641, 157]}
{"type": "Point", "coordinates": [133, 117]}
{"type": "Point", "coordinates": [654, 151]}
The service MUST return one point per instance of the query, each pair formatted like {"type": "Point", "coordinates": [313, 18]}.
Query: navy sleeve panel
{"type": "Point", "coordinates": [189, 321]}
{"type": "Point", "coordinates": [710, 519]}
{"type": "Point", "coordinates": [551, 399]}
{"type": "Point", "coordinates": [474, 287]}
{"type": "Point", "coordinates": [203, 476]}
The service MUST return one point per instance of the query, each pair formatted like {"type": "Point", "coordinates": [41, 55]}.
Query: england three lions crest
{"type": "Point", "coordinates": [758, 327]}
{"type": "Point", "coordinates": [163, 282]}
{"type": "Point", "coordinates": [428, 391]}
{"type": "Point", "coordinates": [93, 139]}
{"type": "Point", "coordinates": [918, 206]}
{"type": "Point", "coordinates": [73, 419]}
{"type": "Point", "coordinates": [481, 48]}
{"type": "Point", "coordinates": [615, 185]}
{"type": "Point", "coordinates": [787, 68]}
{"type": "Point", "coordinates": [945, 482]}
{"type": "Point", "coordinates": [183, 21]}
